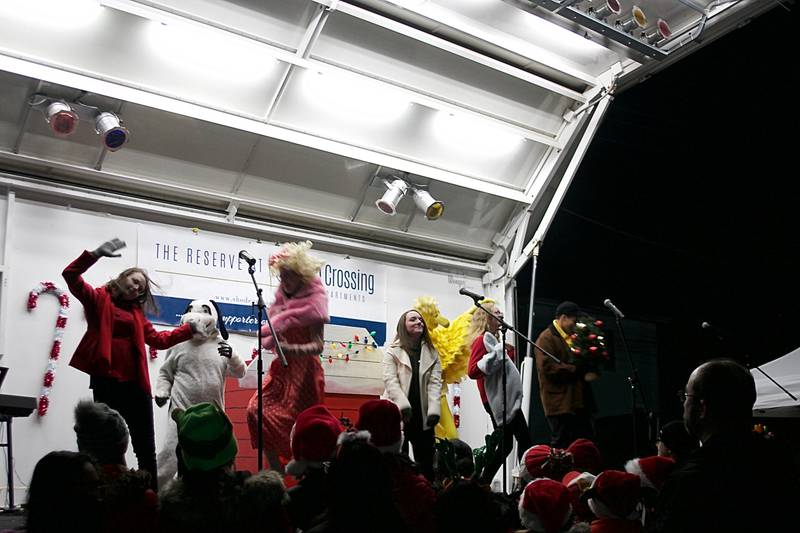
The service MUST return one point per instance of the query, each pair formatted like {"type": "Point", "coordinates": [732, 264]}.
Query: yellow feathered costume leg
{"type": "Point", "coordinates": [446, 428]}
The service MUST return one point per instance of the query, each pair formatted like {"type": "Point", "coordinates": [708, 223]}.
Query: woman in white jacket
{"type": "Point", "coordinates": [412, 375]}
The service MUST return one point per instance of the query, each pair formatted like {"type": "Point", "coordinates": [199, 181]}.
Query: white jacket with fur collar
{"type": "Point", "coordinates": [397, 374]}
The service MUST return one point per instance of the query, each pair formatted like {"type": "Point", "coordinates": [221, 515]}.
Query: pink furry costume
{"type": "Point", "coordinates": [298, 321]}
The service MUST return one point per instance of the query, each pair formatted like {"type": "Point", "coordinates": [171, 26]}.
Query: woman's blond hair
{"type": "Point", "coordinates": [295, 257]}
{"type": "Point", "coordinates": [480, 321]}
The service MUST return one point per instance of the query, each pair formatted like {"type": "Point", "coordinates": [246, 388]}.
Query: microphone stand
{"type": "Point", "coordinates": [505, 326]}
{"type": "Point", "coordinates": [635, 384]}
{"type": "Point", "coordinates": [262, 312]}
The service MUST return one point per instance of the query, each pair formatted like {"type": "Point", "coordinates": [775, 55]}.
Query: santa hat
{"type": "Point", "coordinates": [313, 439]}
{"type": "Point", "coordinates": [543, 461]}
{"type": "Point", "coordinates": [577, 483]}
{"type": "Point", "coordinates": [382, 419]}
{"type": "Point", "coordinates": [545, 506]}
{"type": "Point", "coordinates": [616, 494]}
{"type": "Point", "coordinates": [586, 456]}
{"type": "Point", "coordinates": [653, 470]}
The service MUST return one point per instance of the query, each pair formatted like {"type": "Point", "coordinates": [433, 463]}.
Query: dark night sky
{"type": "Point", "coordinates": [684, 207]}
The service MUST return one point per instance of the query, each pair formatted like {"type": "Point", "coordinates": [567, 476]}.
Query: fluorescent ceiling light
{"type": "Point", "coordinates": [354, 98]}
{"type": "Point", "coordinates": [472, 135]}
{"type": "Point", "coordinates": [57, 15]}
{"type": "Point", "coordinates": [212, 52]}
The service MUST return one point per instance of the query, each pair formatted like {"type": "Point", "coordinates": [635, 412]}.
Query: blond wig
{"type": "Point", "coordinates": [479, 324]}
{"type": "Point", "coordinates": [295, 257]}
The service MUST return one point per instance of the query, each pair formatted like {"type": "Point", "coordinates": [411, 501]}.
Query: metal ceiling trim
{"type": "Point", "coordinates": [461, 51]}
{"type": "Point", "coordinates": [130, 207]}
{"type": "Point", "coordinates": [150, 98]}
{"type": "Point", "coordinates": [567, 16]}
{"type": "Point", "coordinates": [411, 16]}
{"type": "Point", "coordinates": [298, 215]}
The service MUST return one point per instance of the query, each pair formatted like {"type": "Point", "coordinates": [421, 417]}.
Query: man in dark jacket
{"type": "Point", "coordinates": [562, 389]}
{"type": "Point", "coordinates": [737, 480]}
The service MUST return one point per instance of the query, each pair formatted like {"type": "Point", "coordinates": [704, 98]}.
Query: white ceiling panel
{"type": "Point", "coordinates": [364, 47]}
{"type": "Point", "coordinates": [296, 176]}
{"type": "Point", "coordinates": [281, 23]}
{"type": "Point", "coordinates": [364, 113]}
{"type": "Point", "coordinates": [181, 149]}
{"type": "Point", "coordinates": [202, 66]}
{"type": "Point", "coordinates": [523, 33]}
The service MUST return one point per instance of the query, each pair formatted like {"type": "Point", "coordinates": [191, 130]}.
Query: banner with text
{"type": "Point", "coordinates": [191, 264]}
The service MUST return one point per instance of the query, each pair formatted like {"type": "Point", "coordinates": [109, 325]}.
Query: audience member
{"type": "Point", "coordinates": [205, 498]}
{"type": "Point", "coordinates": [466, 505]}
{"type": "Point", "coordinates": [577, 483]}
{"type": "Point", "coordinates": [359, 491]}
{"type": "Point", "coordinates": [675, 442]}
{"type": "Point", "coordinates": [412, 493]}
{"type": "Point", "coordinates": [64, 494]}
{"type": "Point", "coordinates": [545, 507]}
{"type": "Point", "coordinates": [615, 498]}
{"type": "Point", "coordinates": [129, 502]}
{"type": "Point", "coordinates": [553, 463]}
{"type": "Point", "coordinates": [313, 443]}
{"type": "Point", "coordinates": [737, 480]}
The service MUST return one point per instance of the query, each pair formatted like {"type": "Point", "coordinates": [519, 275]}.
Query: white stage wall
{"type": "Point", "coordinates": [44, 238]}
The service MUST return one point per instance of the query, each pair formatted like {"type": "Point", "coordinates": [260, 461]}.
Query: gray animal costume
{"type": "Point", "coordinates": [194, 372]}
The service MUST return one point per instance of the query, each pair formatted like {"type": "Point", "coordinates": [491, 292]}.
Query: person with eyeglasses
{"type": "Point", "coordinates": [736, 480]}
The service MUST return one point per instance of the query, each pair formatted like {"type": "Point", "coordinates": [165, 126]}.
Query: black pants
{"type": "Point", "coordinates": [568, 427]}
{"type": "Point", "coordinates": [136, 407]}
{"type": "Point", "coordinates": [517, 428]}
{"type": "Point", "coordinates": [422, 441]}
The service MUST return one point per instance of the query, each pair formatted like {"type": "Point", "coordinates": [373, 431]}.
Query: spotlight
{"type": "Point", "coordinates": [109, 127]}
{"type": "Point", "coordinates": [638, 19]}
{"type": "Point", "coordinates": [432, 208]}
{"type": "Point", "coordinates": [609, 7]}
{"type": "Point", "coordinates": [62, 119]}
{"type": "Point", "coordinates": [660, 32]}
{"type": "Point", "coordinates": [396, 190]}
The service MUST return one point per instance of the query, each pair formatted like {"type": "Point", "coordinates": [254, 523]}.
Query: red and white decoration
{"type": "Point", "coordinates": [55, 351]}
{"type": "Point", "coordinates": [457, 404]}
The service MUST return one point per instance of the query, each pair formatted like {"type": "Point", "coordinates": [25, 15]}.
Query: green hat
{"type": "Point", "coordinates": [205, 435]}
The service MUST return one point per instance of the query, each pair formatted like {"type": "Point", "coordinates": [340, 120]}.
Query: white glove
{"type": "Point", "coordinates": [494, 354]}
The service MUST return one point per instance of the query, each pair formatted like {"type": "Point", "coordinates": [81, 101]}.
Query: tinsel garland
{"type": "Point", "coordinates": [55, 350]}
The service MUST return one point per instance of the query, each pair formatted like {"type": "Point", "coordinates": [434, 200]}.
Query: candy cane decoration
{"type": "Point", "coordinates": [457, 404]}
{"type": "Point", "coordinates": [55, 351]}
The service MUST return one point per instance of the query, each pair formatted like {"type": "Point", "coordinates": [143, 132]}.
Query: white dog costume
{"type": "Point", "coordinates": [194, 372]}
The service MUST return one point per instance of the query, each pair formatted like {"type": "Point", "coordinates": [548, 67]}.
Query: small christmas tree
{"type": "Point", "coordinates": [588, 343]}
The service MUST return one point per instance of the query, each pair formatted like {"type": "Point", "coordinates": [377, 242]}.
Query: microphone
{"type": "Point", "coordinates": [244, 256]}
{"type": "Point", "coordinates": [714, 330]}
{"type": "Point", "coordinates": [476, 297]}
{"type": "Point", "coordinates": [614, 309]}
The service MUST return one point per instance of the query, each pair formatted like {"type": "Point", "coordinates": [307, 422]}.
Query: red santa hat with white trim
{"type": "Point", "coordinates": [383, 420]}
{"type": "Point", "coordinates": [545, 506]}
{"type": "Point", "coordinates": [577, 483]}
{"type": "Point", "coordinates": [313, 439]}
{"type": "Point", "coordinates": [616, 494]}
{"type": "Point", "coordinates": [543, 461]}
{"type": "Point", "coordinates": [653, 470]}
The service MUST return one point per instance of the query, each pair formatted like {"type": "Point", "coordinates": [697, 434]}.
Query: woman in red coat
{"type": "Point", "coordinates": [298, 314]}
{"type": "Point", "coordinates": [112, 350]}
